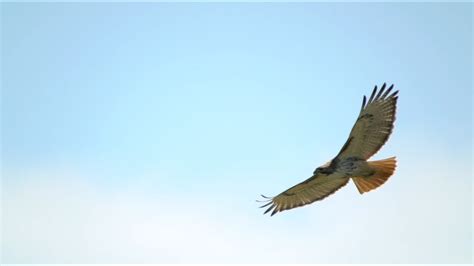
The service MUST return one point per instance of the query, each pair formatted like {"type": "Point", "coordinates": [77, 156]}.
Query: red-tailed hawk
{"type": "Point", "coordinates": [370, 132]}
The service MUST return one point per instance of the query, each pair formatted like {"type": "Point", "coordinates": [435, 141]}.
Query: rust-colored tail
{"type": "Point", "coordinates": [383, 170]}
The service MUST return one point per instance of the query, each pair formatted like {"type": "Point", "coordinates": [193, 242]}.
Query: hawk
{"type": "Point", "coordinates": [369, 133]}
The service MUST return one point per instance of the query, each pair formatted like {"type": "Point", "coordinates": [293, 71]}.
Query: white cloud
{"type": "Point", "coordinates": [66, 219]}
{"type": "Point", "coordinates": [60, 217]}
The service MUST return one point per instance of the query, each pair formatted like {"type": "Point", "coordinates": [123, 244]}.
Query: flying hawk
{"type": "Point", "coordinates": [370, 132]}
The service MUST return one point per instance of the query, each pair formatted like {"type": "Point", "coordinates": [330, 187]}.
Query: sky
{"type": "Point", "coordinates": [145, 132]}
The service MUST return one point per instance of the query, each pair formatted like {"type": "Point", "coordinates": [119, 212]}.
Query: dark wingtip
{"type": "Point", "coordinates": [363, 103]}
{"type": "Point", "coordinates": [373, 94]}
{"type": "Point", "coordinates": [269, 209]}
{"type": "Point", "coordinates": [394, 94]}
{"type": "Point", "coordinates": [387, 92]}
{"type": "Point", "coordinates": [274, 211]}
{"type": "Point", "coordinates": [380, 92]}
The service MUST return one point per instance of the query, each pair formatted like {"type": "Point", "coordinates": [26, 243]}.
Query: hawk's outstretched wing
{"type": "Point", "coordinates": [373, 126]}
{"type": "Point", "coordinates": [314, 188]}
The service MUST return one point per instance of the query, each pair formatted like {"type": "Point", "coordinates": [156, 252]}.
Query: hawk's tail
{"type": "Point", "coordinates": [383, 170]}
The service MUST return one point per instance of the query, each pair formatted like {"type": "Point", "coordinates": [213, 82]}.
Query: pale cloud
{"type": "Point", "coordinates": [62, 217]}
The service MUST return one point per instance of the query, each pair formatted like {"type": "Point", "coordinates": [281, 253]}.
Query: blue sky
{"type": "Point", "coordinates": [144, 132]}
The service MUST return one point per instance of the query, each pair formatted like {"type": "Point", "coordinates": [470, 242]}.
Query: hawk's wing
{"type": "Point", "coordinates": [314, 188]}
{"type": "Point", "coordinates": [373, 126]}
